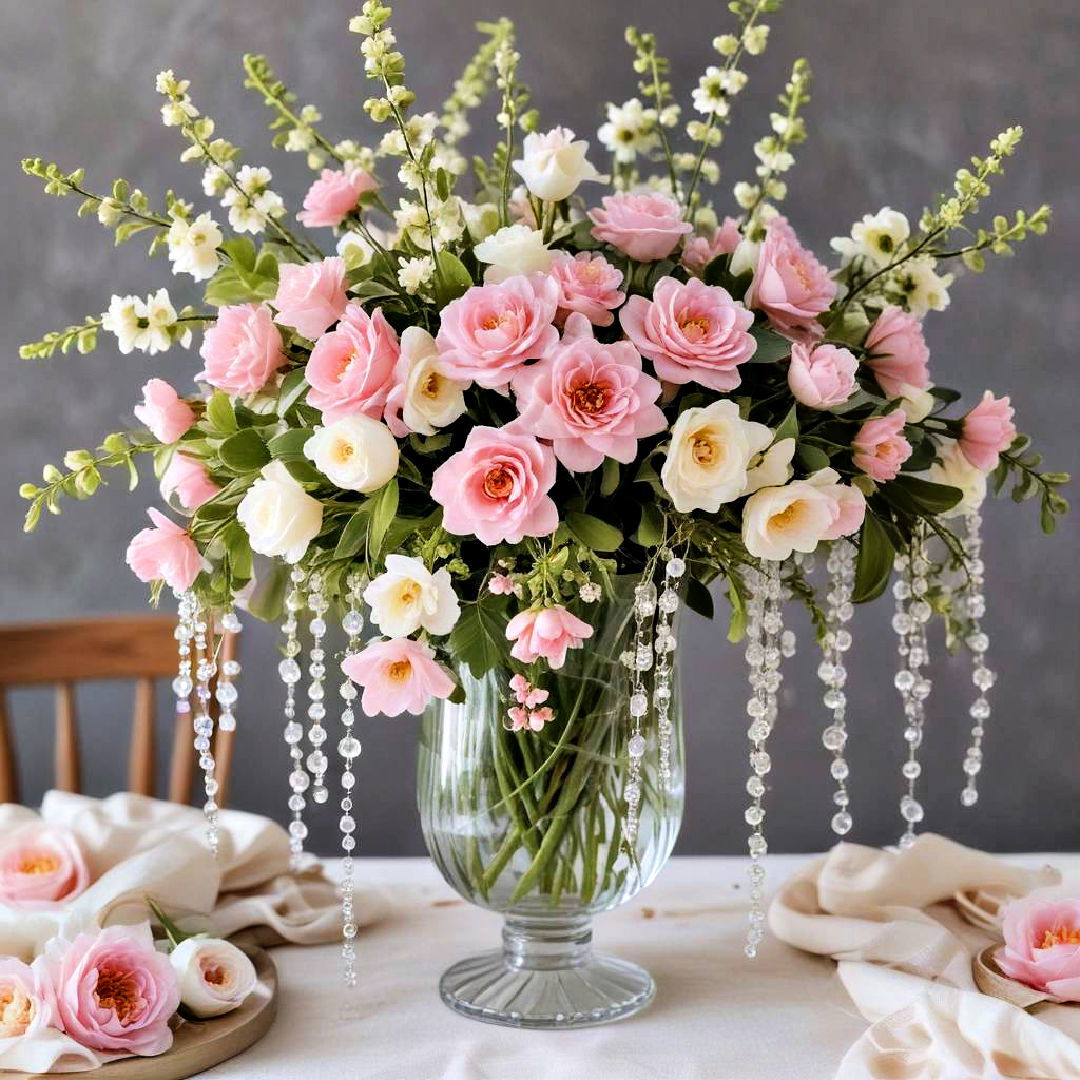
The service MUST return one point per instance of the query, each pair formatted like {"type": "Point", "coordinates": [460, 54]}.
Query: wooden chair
{"type": "Point", "coordinates": [139, 647]}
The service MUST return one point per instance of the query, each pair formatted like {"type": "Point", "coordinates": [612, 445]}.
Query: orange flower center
{"type": "Point", "coordinates": [784, 517]}
{"type": "Point", "coordinates": [498, 482]}
{"type": "Point", "coordinates": [215, 974]}
{"type": "Point", "coordinates": [399, 670]}
{"type": "Point", "coordinates": [16, 1012]}
{"type": "Point", "coordinates": [590, 273]}
{"type": "Point", "coordinates": [39, 863]}
{"type": "Point", "coordinates": [1060, 935]}
{"type": "Point", "coordinates": [589, 398]}
{"type": "Point", "coordinates": [493, 321]}
{"type": "Point", "coordinates": [117, 990]}
{"type": "Point", "coordinates": [704, 451]}
{"type": "Point", "coordinates": [430, 386]}
{"type": "Point", "coordinates": [694, 327]}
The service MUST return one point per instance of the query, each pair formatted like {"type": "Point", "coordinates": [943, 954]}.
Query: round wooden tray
{"type": "Point", "coordinates": [199, 1045]}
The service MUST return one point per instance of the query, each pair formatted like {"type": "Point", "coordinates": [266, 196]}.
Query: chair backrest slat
{"type": "Point", "coordinates": [141, 760]}
{"type": "Point", "coordinates": [68, 772]}
{"type": "Point", "coordinates": [9, 772]}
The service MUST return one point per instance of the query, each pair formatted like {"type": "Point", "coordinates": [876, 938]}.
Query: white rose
{"type": "Point", "coordinates": [552, 165]}
{"type": "Point", "coordinates": [515, 249]}
{"type": "Point", "coordinates": [430, 399]}
{"type": "Point", "coordinates": [408, 597]}
{"type": "Point", "coordinates": [773, 469]}
{"type": "Point", "coordinates": [214, 976]}
{"type": "Point", "coordinates": [356, 453]}
{"type": "Point", "coordinates": [956, 471]}
{"type": "Point", "coordinates": [280, 517]}
{"type": "Point", "coordinates": [780, 520]}
{"type": "Point", "coordinates": [916, 403]}
{"type": "Point", "coordinates": [710, 453]}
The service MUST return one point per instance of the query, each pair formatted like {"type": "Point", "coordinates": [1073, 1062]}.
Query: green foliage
{"type": "Point", "coordinates": [479, 639]}
{"type": "Point", "coordinates": [250, 276]}
{"type": "Point", "coordinates": [1022, 467]}
{"type": "Point", "coordinates": [593, 533]}
{"type": "Point", "coordinates": [875, 562]}
{"type": "Point", "coordinates": [83, 337]}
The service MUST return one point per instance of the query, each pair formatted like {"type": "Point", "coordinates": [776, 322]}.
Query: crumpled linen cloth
{"type": "Point", "coordinates": [904, 956]}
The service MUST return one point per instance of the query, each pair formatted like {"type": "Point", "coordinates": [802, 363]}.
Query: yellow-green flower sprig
{"type": "Point", "coordinates": [655, 87]}
{"type": "Point", "coordinates": [475, 81]}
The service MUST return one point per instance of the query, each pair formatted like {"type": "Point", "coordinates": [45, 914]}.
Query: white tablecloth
{"type": "Point", "coordinates": [717, 1016]}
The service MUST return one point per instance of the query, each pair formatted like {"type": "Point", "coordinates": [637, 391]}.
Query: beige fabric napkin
{"type": "Point", "coordinates": [905, 960]}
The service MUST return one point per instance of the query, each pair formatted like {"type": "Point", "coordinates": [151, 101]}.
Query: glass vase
{"type": "Point", "coordinates": [533, 825]}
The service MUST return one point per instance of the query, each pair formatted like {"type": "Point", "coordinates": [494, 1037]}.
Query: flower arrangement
{"type": "Point", "coordinates": [520, 380]}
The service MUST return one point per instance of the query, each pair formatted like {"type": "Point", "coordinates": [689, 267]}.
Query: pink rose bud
{"type": "Point", "coordinates": [1042, 946]}
{"type": "Point", "coordinates": [897, 353]}
{"type": "Point", "coordinates": [880, 448]}
{"type": "Point", "coordinates": [546, 633]}
{"type": "Point", "coordinates": [823, 376]}
{"type": "Point", "coordinates": [310, 298]}
{"type": "Point", "coordinates": [399, 675]}
{"type": "Point", "coordinates": [40, 866]}
{"type": "Point", "coordinates": [645, 227]}
{"type": "Point", "coordinates": [334, 195]}
{"type": "Point", "coordinates": [699, 251]}
{"type": "Point", "coordinates": [164, 552]}
{"type": "Point", "coordinates": [242, 350]}
{"type": "Point", "coordinates": [164, 412]}
{"type": "Point", "coordinates": [988, 429]}
{"type": "Point", "coordinates": [189, 481]}
{"type": "Point", "coordinates": [588, 284]}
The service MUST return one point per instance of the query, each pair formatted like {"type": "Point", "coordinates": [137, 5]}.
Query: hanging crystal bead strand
{"type": "Point", "coordinates": [317, 761]}
{"type": "Point", "coordinates": [639, 660]}
{"type": "Point", "coordinates": [349, 749]}
{"type": "Point", "coordinates": [183, 685]}
{"type": "Point", "coordinates": [668, 603]}
{"type": "Point", "coordinates": [226, 692]}
{"type": "Point", "coordinates": [289, 670]}
{"type": "Point", "coordinates": [832, 672]}
{"type": "Point", "coordinates": [974, 601]}
{"type": "Point", "coordinates": [203, 723]}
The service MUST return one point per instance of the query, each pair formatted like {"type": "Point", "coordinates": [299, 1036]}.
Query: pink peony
{"type": "Point", "coordinates": [164, 412]}
{"type": "Point", "coordinates": [189, 481]}
{"type": "Point", "coordinates": [164, 552]}
{"type": "Point", "coordinates": [691, 333]}
{"type": "Point", "coordinates": [351, 369]}
{"type": "Point", "coordinates": [546, 633]}
{"type": "Point", "coordinates": [1042, 946]}
{"type": "Point", "coordinates": [242, 350]}
{"type": "Point", "coordinates": [41, 865]}
{"type": "Point", "coordinates": [589, 284]}
{"type": "Point", "coordinates": [113, 990]}
{"type": "Point", "coordinates": [789, 285]}
{"type": "Point", "coordinates": [591, 400]}
{"type": "Point", "coordinates": [491, 331]}
{"type": "Point", "coordinates": [897, 353]}
{"type": "Point", "coordinates": [646, 227]}
{"type": "Point", "coordinates": [495, 487]}
{"type": "Point", "coordinates": [822, 376]}
{"type": "Point", "coordinates": [988, 429]}
{"type": "Point", "coordinates": [880, 448]}
{"type": "Point", "coordinates": [311, 297]}
{"type": "Point", "coordinates": [334, 195]}
{"type": "Point", "coordinates": [25, 1001]}
{"type": "Point", "coordinates": [699, 251]}
{"type": "Point", "coordinates": [399, 675]}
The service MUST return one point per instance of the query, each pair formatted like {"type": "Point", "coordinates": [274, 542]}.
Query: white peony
{"type": "Point", "coordinates": [214, 976]}
{"type": "Point", "coordinates": [280, 517]}
{"type": "Point", "coordinates": [554, 164]}
{"type": "Point", "coordinates": [877, 238]}
{"type": "Point", "coordinates": [355, 453]}
{"type": "Point", "coordinates": [954, 470]}
{"type": "Point", "coordinates": [780, 520]}
{"type": "Point", "coordinates": [430, 398]}
{"type": "Point", "coordinates": [711, 450]}
{"type": "Point", "coordinates": [193, 246]}
{"type": "Point", "coordinates": [515, 249]}
{"type": "Point", "coordinates": [408, 597]}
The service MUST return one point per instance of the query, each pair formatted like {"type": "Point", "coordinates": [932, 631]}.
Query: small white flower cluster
{"type": "Point", "coordinates": [251, 202]}
{"type": "Point", "coordinates": [193, 246]}
{"type": "Point", "coordinates": [149, 325]}
{"type": "Point", "coordinates": [415, 274]}
{"type": "Point", "coordinates": [440, 224]}
{"type": "Point", "coordinates": [716, 88]}
{"type": "Point", "coordinates": [630, 130]}
{"type": "Point", "coordinates": [179, 109]}
{"type": "Point", "coordinates": [876, 240]}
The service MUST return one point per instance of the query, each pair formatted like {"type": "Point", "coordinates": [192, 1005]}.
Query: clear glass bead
{"type": "Point", "coordinates": [754, 815]}
{"type": "Point", "coordinates": [841, 798]}
{"type": "Point", "coordinates": [636, 746]}
{"type": "Point", "coordinates": [349, 747]}
{"type": "Point", "coordinates": [298, 830]}
{"type": "Point", "coordinates": [841, 823]}
{"type": "Point", "coordinates": [320, 795]}
{"type": "Point", "coordinates": [757, 844]}
{"type": "Point", "coordinates": [912, 770]}
{"type": "Point", "coordinates": [760, 762]}
{"type": "Point", "coordinates": [639, 704]}
{"type": "Point", "coordinates": [969, 796]}
{"type": "Point", "coordinates": [980, 709]}
{"type": "Point", "coordinates": [297, 803]}
{"type": "Point", "coordinates": [834, 738]}
{"type": "Point", "coordinates": [353, 623]}
{"type": "Point", "coordinates": [294, 732]}
{"type": "Point", "coordinates": [911, 810]}
{"type": "Point", "coordinates": [839, 769]}
{"type": "Point", "coordinates": [226, 693]}
{"type": "Point", "coordinates": [755, 787]}
{"type": "Point", "coordinates": [289, 670]}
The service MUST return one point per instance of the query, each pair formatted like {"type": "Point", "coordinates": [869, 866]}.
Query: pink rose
{"type": "Point", "coordinates": [848, 503]}
{"type": "Point", "coordinates": [311, 297]}
{"type": "Point", "coordinates": [334, 195]}
{"type": "Point", "coordinates": [588, 283]}
{"type": "Point", "coordinates": [546, 633]}
{"type": "Point", "coordinates": [823, 376]}
{"type": "Point", "coordinates": [25, 1001]}
{"type": "Point", "coordinates": [189, 481]}
{"type": "Point", "coordinates": [897, 352]}
{"type": "Point", "coordinates": [242, 350]}
{"type": "Point", "coordinates": [495, 487]}
{"type": "Point", "coordinates": [591, 400]}
{"type": "Point", "coordinates": [164, 412]}
{"type": "Point", "coordinates": [41, 865]}
{"type": "Point", "coordinates": [113, 990]}
{"type": "Point", "coordinates": [399, 675]}
{"type": "Point", "coordinates": [351, 369]}
{"type": "Point", "coordinates": [789, 285]}
{"type": "Point", "coordinates": [1042, 946]}
{"type": "Point", "coordinates": [988, 429]}
{"type": "Point", "coordinates": [164, 552]}
{"type": "Point", "coordinates": [645, 227]}
{"type": "Point", "coordinates": [691, 333]}
{"type": "Point", "coordinates": [491, 331]}
{"type": "Point", "coordinates": [880, 447]}
{"type": "Point", "coordinates": [699, 251]}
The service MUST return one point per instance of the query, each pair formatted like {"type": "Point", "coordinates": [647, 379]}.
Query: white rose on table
{"type": "Point", "coordinates": [409, 597]}
{"type": "Point", "coordinates": [215, 977]}
{"type": "Point", "coordinates": [427, 397]}
{"type": "Point", "coordinates": [515, 249]}
{"type": "Point", "coordinates": [780, 520]}
{"type": "Point", "coordinates": [279, 516]}
{"type": "Point", "coordinates": [356, 453]}
{"type": "Point", "coordinates": [553, 164]}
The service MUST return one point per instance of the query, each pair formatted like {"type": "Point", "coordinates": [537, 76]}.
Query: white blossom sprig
{"type": "Point", "coordinates": [474, 82]}
{"type": "Point", "coordinates": [655, 87]}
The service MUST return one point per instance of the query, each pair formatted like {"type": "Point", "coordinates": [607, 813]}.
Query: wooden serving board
{"type": "Point", "coordinates": [198, 1045]}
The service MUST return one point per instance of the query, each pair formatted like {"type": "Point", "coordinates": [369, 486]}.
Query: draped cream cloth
{"type": "Point", "coordinates": [905, 959]}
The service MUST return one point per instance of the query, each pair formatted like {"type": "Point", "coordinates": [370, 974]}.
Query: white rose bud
{"type": "Point", "coordinates": [780, 520]}
{"type": "Point", "coordinates": [515, 249]}
{"type": "Point", "coordinates": [956, 471]}
{"type": "Point", "coordinates": [554, 164]}
{"type": "Point", "coordinates": [215, 977]}
{"type": "Point", "coordinates": [280, 517]}
{"type": "Point", "coordinates": [916, 403]}
{"type": "Point", "coordinates": [355, 453]}
{"type": "Point", "coordinates": [408, 597]}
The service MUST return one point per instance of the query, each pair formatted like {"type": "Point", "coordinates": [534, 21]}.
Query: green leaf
{"type": "Point", "coordinates": [850, 327]}
{"type": "Point", "coordinates": [268, 600]}
{"type": "Point", "coordinates": [931, 498]}
{"type": "Point", "coordinates": [811, 458]}
{"type": "Point", "coordinates": [453, 278]}
{"type": "Point", "coordinates": [737, 623]}
{"type": "Point", "coordinates": [875, 562]}
{"type": "Point", "coordinates": [609, 479]}
{"type": "Point", "coordinates": [304, 472]}
{"type": "Point", "coordinates": [789, 426]}
{"type": "Point", "coordinates": [383, 511]}
{"type": "Point", "coordinates": [650, 530]}
{"type": "Point", "coordinates": [244, 452]}
{"type": "Point", "coordinates": [293, 387]}
{"type": "Point", "coordinates": [241, 251]}
{"type": "Point", "coordinates": [771, 346]}
{"type": "Point", "coordinates": [698, 597]}
{"type": "Point", "coordinates": [354, 535]}
{"type": "Point", "coordinates": [219, 411]}
{"type": "Point", "coordinates": [289, 446]}
{"type": "Point", "coordinates": [479, 639]}
{"type": "Point", "coordinates": [593, 533]}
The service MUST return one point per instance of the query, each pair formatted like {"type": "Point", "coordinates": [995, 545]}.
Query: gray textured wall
{"type": "Point", "coordinates": [903, 92]}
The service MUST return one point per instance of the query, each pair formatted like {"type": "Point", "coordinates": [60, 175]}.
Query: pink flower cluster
{"type": "Point", "coordinates": [546, 633]}
{"type": "Point", "coordinates": [528, 714]}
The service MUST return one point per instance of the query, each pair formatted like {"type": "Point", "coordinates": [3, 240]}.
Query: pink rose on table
{"type": "Point", "coordinates": [988, 429]}
{"type": "Point", "coordinates": [242, 350]}
{"type": "Point", "coordinates": [40, 865]}
{"type": "Point", "coordinates": [189, 481]}
{"type": "Point", "coordinates": [691, 333]}
{"type": "Point", "coordinates": [164, 412]}
{"type": "Point", "coordinates": [25, 1007]}
{"type": "Point", "coordinates": [646, 227]}
{"type": "Point", "coordinates": [164, 552]}
{"type": "Point", "coordinates": [311, 297]}
{"type": "Point", "coordinates": [334, 195]}
{"type": "Point", "coordinates": [1042, 946]}
{"type": "Point", "coordinates": [591, 400]}
{"type": "Point", "coordinates": [351, 369]}
{"type": "Point", "coordinates": [880, 448]}
{"type": "Point", "coordinates": [699, 251]}
{"type": "Point", "coordinates": [546, 633]}
{"type": "Point", "coordinates": [495, 488]}
{"type": "Point", "coordinates": [493, 330]}
{"type": "Point", "coordinates": [113, 990]}
{"type": "Point", "coordinates": [821, 376]}
{"type": "Point", "coordinates": [399, 675]}
{"type": "Point", "coordinates": [897, 353]}
{"type": "Point", "coordinates": [789, 285]}
{"type": "Point", "coordinates": [589, 284]}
